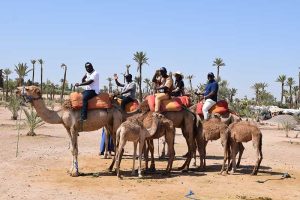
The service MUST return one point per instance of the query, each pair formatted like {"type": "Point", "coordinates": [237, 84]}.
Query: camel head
{"type": "Point", "coordinates": [29, 93]}
{"type": "Point", "coordinates": [156, 119]}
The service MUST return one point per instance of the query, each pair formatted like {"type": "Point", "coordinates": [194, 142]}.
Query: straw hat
{"type": "Point", "coordinates": [178, 73]}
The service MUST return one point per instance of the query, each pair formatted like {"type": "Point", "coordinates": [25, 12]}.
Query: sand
{"type": "Point", "coordinates": [40, 170]}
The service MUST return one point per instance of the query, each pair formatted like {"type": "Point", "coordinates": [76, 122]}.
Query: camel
{"type": "Point", "coordinates": [69, 118]}
{"type": "Point", "coordinates": [184, 119]}
{"type": "Point", "coordinates": [134, 130]}
{"type": "Point", "coordinates": [244, 132]}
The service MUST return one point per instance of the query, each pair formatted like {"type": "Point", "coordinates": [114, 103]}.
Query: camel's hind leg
{"type": "Point", "coordinates": [233, 155]}
{"type": "Point", "coordinates": [241, 151]}
{"type": "Point", "coordinates": [119, 154]}
{"type": "Point", "coordinates": [74, 140]}
{"type": "Point", "coordinates": [134, 157]}
{"type": "Point", "coordinates": [106, 143]}
{"type": "Point", "coordinates": [151, 149]}
{"type": "Point", "coordinates": [141, 146]}
{"type": "Point", "coordinates": [171, 151]}
{"type": "Point", "coordinates": [259, 154]}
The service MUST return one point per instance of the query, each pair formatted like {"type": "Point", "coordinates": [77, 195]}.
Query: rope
{"type": "Point", "coordinates": [18, 125]}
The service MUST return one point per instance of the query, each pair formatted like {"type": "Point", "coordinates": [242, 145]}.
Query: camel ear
{"type": "Point", "coordinates": [37, 91]}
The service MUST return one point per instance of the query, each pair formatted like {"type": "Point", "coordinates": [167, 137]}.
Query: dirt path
{"type": "Point", "coordinates": [40, 170]}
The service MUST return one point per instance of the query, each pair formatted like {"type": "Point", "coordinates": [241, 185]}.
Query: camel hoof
{"type": "Point", "coordinates": [253, 173]}
{"type": "Point", "coordinates": [194, 164]}
{"type": "Point", "coordinates": [74, 174]}
{"type": "Point", "coordinates": [140, 176]}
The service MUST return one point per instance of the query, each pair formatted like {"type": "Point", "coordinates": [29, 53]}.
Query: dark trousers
{"type": "Point", "coordinates": [86, 96]}
{"type": "Point", "coordinates": [125, 101]}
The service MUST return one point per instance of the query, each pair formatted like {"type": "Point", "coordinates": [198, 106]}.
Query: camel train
{"type": "Point", "coordinates": [143, 125]}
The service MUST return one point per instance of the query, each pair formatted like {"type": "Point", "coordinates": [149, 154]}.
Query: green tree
{"type": "Point", "coordinates": [33, 70]}
{"type": "Point", "coordinates": [295, 93]}
{"type": "Point", "coordinates": [148, 85]}
{"type": "Point", "coordinates": [232, 93]}
{"type": "Point", "coordinates": [190, 77]}
{"type": "Point", "coordinates": [41, 62]}
{"type": "Point", "coordinates": [256, 87]}
{"type": "Point", "coordinates": [64, 81]}
{"type": "Point", "coordinates": [110, 85]}
{"type": "Point", "coordinates": [6, 73]}
{"type": "Point", "coordinates": [140, 58]}
{"type": "Point", "coordinates": [22, 71]}
{"type": "Point", "coordinates": [127, 68]}
{"type": "Point", "coordinates": [14, 105]}
{"type": "Point", "coordinates": [281, 79]}
{"type": "Point", "coordinates": [290, 82]}
{"type": "Point", "coordinates": [33, 121]}
{"type": "Point", "coordinates": [218, 62]}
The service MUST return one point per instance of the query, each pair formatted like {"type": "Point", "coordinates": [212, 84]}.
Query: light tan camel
{"type": "Point", "coordinates": [245, 132]}
{"type": "Point", "coordinates": [98, 118]}
{"type": "Point", "coordinates": [184, 119]}
{"type": "Point", "coordinates": [134, 130]}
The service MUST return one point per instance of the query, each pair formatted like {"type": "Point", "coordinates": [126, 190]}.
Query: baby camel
{"type": "Point", "coordinates": [244, 132]}
{"type": "Point", "coordinates": [134, 130]}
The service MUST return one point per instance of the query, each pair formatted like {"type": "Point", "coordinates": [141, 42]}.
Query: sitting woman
{"type": "Point", "coordinates": [179, 85]}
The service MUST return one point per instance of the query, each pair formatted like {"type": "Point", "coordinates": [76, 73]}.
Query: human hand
{"type": "Point", "coordinates": [115, 76]}
{"type": "Point", "coordinates": [77, 84]}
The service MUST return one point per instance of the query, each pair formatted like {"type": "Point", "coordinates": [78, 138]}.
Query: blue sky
{"type": "Point", "coordinates": [257, 39]}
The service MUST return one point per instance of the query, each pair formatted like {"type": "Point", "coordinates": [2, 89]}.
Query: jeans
{"type": "Point", "coordinates": [86, 96]}
{"type": "Point", "coordinates": [125, 101]}
{"type": "Point", "coordinates": [102, 143]}
{"type": "Point", "coordinates": [206, 106]}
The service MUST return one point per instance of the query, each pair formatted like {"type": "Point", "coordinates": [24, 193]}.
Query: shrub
{"type": "Point", "coordinates": [14, 105]}
{"type": "Point", "coordinates": [33, 121]}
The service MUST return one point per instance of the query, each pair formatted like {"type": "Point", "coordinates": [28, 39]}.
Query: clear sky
{"type": "Point", "coordinates": [258, 39]}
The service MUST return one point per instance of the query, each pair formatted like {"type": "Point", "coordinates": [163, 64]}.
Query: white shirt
{"type": "Point", "coordinates": [94, 85]}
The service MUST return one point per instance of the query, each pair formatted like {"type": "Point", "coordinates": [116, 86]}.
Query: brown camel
{"type": "Point", "coordinates": [184, 119]}
{"type": "Point", "coordinates": [69, 118]}
{"type": "Point", "coordinates": [134, 130]}
{"type": "Point", "coordinates": [244, 132]}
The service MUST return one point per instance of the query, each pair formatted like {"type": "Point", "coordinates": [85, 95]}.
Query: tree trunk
{"type": "Point", "coordinates": [218, 73]}
{"type": "Point", "coordinates": [291, 98]}
{"type": "Point", "coordinates": [33, 74]}
{"type": "Point", "coordinates": [6, 95]}
{"type": "Point", "coordinates": [281, 101]}
{"type": "Point", "coordinates": [41, 79]}
{"type": "Point", "coordinates": [140, 85]}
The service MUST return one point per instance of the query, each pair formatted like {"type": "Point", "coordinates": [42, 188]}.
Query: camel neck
{"type": "Point", "coordinates": [49, 116]}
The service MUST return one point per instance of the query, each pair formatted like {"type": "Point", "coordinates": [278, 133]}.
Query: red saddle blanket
{"type": "Point", "coordinates": [220, 107]}
{"type": "Point", "coordinates": [173, 104]}
{"type": "Point", "coordinates": [130, 107]}
{"type": "Point", "coordinates": [100, 101]}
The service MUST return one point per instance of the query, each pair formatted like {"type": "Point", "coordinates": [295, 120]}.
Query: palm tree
{"type": "Point", "coordinates": [22, 70]}
{"type": "Point", "coordinates": [295, 93]}
{"type": "Point", "coordinates": [7, 72]}
{"type": "Point", "coordinates": [281, 79]}
{"type": "Point", "coordinates": [190, 77]}
{"type": "Point", "coordinates": [290, 82]}
{"type": "Point", "coordinates": [33, 63]}
{"type": "Point", "coordinates": [127, 68]}
{"type": "Point", "coordinates": [41, 63]}
{"type": "Point", "coordinates": [232, 93]}
{"type": "Point", "coordinates": [140, 58]}
{"type": "Point", "coordinates": [64, 81]}
{"type": "Point", "coordinates": [263, 86]}
{"type": "Point", "coordinates": [109, 84]}
{"type": "Point", "coordinates": [219, 63]}
{"type": "Point", "coordinates": [148, 84]}
{"type": "Point", "coordinates": [256, 87]}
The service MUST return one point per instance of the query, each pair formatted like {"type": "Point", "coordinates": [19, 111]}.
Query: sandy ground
{"type": "Point", "coordinates": [40, 170]}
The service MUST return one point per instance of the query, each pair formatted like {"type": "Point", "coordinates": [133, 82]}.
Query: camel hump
{"type": "Point", "coordinates": [102, 100]}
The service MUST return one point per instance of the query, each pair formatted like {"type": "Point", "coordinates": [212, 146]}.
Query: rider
{"type": "Point", "coordinates": [179, 85]}
{"type": "Point", "coordinates": [164, 84]}
{"type": "Point", "coordinates": [91, 82]}
{"type": "Point", "coordinates": [210, 94]}
{"type": "Point", "coordinates": [128, 91]}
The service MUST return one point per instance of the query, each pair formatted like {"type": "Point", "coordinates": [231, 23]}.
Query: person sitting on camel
{"type": "Point", "coordinates": [179, 85]}
{"type": "Point", "coordinates": [128, 91]}
{"type": "Point", "coordinates": [164, 85]}
{"type": "Point", "coordinates": [91, 82]}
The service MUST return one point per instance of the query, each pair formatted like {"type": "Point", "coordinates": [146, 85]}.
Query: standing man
{"type": "Point", "coordinates": [164, 85]}
{"type": "Point", "coordinates": [91, 82]}
{"type": "Point", "coordinates": [128, 91]}
{"type": "Point", "coordinates": [210, 94]}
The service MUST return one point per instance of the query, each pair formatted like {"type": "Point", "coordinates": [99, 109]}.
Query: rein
{"type": "Point", "coordinates": [28, 98]}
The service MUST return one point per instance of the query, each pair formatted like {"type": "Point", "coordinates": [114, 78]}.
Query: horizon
{"type": "Point", "coordinates": [257, 40]}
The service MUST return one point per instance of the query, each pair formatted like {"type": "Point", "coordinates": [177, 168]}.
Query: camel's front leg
{"type": "Point", "coordinates": [134, 158]}
{"type": "Point", "coordinates": [74, 140]}
{"type": "Point", "coordinates": [106, 144]}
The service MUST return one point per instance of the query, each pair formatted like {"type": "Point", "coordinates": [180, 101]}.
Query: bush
{"type": "Point", "coordinates": [14, 105]}
{"type": "Point", "coordinates": [32, 121]}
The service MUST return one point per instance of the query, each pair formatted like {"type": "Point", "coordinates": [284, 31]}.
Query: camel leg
{"type": "Point", "coordinates": [74, 140]}
{"type": "Point", "coordinates": [106, 143]}
{"type": "Point", "coordinates": [119, 155]}
{"type": "Point", "coordinates": [134, 158]}
{"type": "Point", "coordinates": [146, 154]}
{"type": "Point", "coordinates": [225, 146]}
{"type": "Point", "coordinates": [204, 152]}
{"type": "Point", "coordinates": [233, 155]}
{"type": "Point", "coordinates": [259, 155]}
{"type": "Point", "coordinates": [151, 149]}
{"type": "Point", "coordinates": [241, 151]}
{"type": "Point", "coordinates": [171, 151]}
{"type": "Point", "coordinates": [141, 145]}
{"type": "Point", "coordinates": [163, 152]}
{"type": "Point", "coordinates": [189, 137]}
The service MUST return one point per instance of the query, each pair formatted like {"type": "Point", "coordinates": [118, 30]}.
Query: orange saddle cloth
{"type": "Point", "coordinates": [131, 106]}
{"type": "Point", "coordinates": [173, 104]}
{"type": "Point", "coordinates": [100, 101]}
{"type": "Point", "coordinates": [220, 107]}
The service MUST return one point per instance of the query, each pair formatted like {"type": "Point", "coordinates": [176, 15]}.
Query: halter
{"type": "Point", "coordinates": [28, 98]}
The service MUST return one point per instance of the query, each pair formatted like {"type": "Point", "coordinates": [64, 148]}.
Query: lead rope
{"type": "Point", "coordinates": [18, 122]}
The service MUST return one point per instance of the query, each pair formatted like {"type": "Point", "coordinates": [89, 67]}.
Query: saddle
{"type": "Point", "coordinates": [131, 106]}
{"type": "Point", "coordinates": [102, 100]}
{"type": "Point", "coordinates": [220, 107]}
{"type": "Point", "coordinates": [174, 104]}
